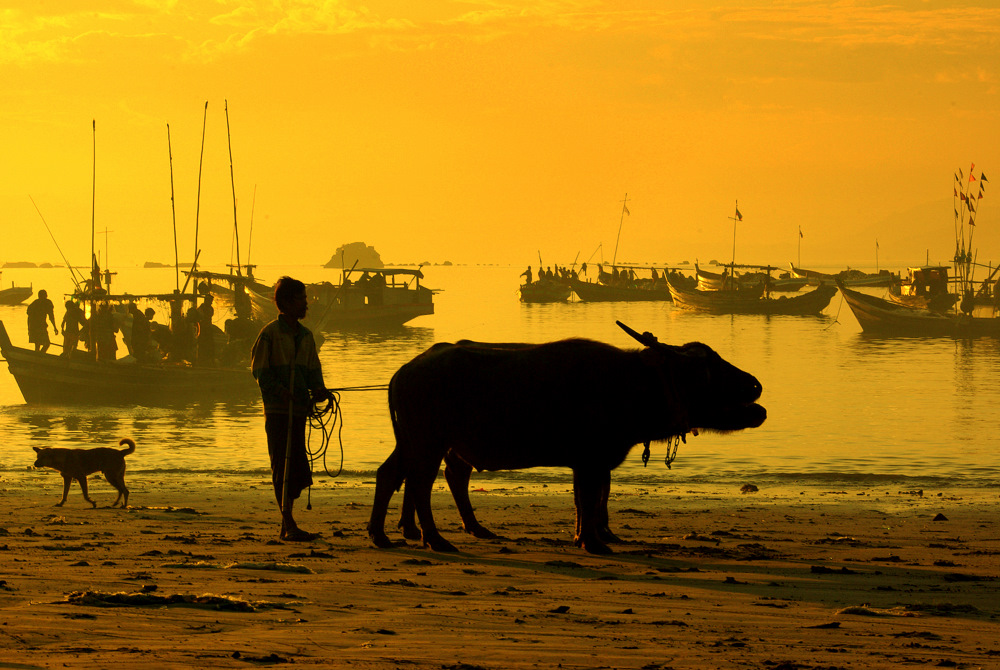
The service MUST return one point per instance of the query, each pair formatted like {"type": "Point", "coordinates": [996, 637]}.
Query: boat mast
{"type": "Point", "coordinates": [732, 265]}
{"type": "Point", "coordinates": [253, 205]}
{"type": "Point", "coordinates": [173, 212]}
{"type": "Point", "coordinates": [93, 209]}
{"type": "Point", "coordinates": [624, 212]}
{"type": "Point", "coordinates": [197, 206]}
{"type": "Point", "coordinates": [232, 179]}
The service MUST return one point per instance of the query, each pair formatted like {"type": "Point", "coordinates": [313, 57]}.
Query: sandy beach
{"type": "Point", "coordinates": [192, 575]}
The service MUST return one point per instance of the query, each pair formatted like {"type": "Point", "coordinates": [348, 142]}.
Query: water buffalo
{"type": "Point", "coordinates": [477, 404]}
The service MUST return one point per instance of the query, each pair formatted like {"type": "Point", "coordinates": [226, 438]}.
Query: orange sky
{"type": "Point", "coordinates": [487, 132]}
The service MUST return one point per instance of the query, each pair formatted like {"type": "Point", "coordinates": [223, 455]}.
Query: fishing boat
{"type": "Point", "coordinates": [622, 284]}
{"type": "Point", "coordinates": [883, 317]}
{"type": "Point", "coordinates": [925, 287]}
{"type": "Point", "coordinates": [53, 380]}
{"type": "Point", "coordinates": [15, 295]}
{"type": "Point", "coordinates": [545, 291]}
{"type": "Point", "coordinates": [752, 300]}
{"type": "Point", "coordinates": [381, 298]}
{"type": "Point", "coordinates": [759, 274]}
{"type": "Point", "coordinates": [849, 277]}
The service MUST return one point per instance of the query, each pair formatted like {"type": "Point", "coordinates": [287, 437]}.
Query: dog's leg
{"type": "Point", "coordinates": [83, 487]}
{"type": "Point", "coordinates": [117, 479]}
{"type": "Point", "coordinates": [67, 480]}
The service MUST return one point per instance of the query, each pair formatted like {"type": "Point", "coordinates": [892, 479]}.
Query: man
{"type": "Point", "coordinates": [206, 331]}
{"type": "Point", "coordinates": [139, 342]}
{"type": "Point", "coordinates": [38, 330]}
{"type": "Point", "coordinates": [286, 366]}
{"type": "Point", "coordinates": [72, 322]}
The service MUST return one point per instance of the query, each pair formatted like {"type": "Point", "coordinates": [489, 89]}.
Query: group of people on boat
{"type": "Point", "coordinates": [191, 336]}
{"type": "Point", "coordinates": [559, 273]}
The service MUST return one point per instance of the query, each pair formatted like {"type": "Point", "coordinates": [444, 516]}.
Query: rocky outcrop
{"type": "Point", "coordinates": [347, 254]}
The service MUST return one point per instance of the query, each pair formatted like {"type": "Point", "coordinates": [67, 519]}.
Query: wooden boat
{"type": "Point", "coordinates": [597, 292]}
{"type": "Point", "coordinates": [849, 277]}
{"type": "Point", "coordinates": [761, 274]}
{"type": "Point", "coordinates": [752, 301]}
{"type": "Point", "coordinates": [50, 379]}
{"type": "Point", "coordinates": [15, 295]}
{"type": "Point", "coordinates": [884, 317]}
{"type": "Point", "coordinates": [545, 290]}
{"type": "Point", "coordinates": [382, 298]}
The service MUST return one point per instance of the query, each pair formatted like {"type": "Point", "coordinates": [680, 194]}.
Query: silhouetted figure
{"type": "Point", "coordinates": [206, 333]}
{"type": "Point", "coordinates": [286, 366]}
{"type": "Point", "coordinates": [141, 335]}
{"type": "Point", "coordinates": [72, 323]}
{"type": "Point", "coordinates": [41, 308]}
{"type": "Point", "coordinates": [527, 275]}
{"type": "Point", "coordinates": [104, 328]}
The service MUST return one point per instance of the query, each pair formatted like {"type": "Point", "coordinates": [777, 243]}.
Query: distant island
{"type": "Point", "coordinates": [154, 264]}
{"type": "Point", "coordinates": [347, 255]}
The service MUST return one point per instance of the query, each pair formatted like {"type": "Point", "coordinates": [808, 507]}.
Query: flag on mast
{"type": "Point", "coordinates": [739, 217]}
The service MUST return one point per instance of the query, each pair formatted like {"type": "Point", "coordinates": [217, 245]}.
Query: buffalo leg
{"type": "Point", "coordinates": [422, 481]}
{"type": "Point", "coordinates": [587, 487]}
{"type": "Point", "coordinates": [408, 516]}
{"type": "Point", "coordinates": [388, 479]}
{"type": "Point", "coordinates": [457, 472]}
{"type": "Point", "coordinates": [603, 526]}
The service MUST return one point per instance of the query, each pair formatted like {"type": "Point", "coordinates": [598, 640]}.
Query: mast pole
{"type": "Point", "coordinates": [93, 205]}
{"type": "Point", "coordinates": [253, 205]}
{"type": "Point", "coordinates": [173, 212]}
{"type": "Point", "coordinates": [197, 206]}
{"type": "Point", "coordinates": [232, 179]}
{"type": "Point", "coordinates": [624, 211]}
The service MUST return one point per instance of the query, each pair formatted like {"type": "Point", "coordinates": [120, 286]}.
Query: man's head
{"type": "Point", "coordinates": [290, 297]}
{"type": "Point", "coordinates": [43, 293]}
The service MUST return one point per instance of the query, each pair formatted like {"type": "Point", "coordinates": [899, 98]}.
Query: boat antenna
{"type": "Point", "coordinates": [72, 270]}
{"type": "Point", "coordinates": [624, 212]}
{"type": "Point", "coordinates": [197, 206]}
{"type": "Point", "coordinates": [173, 212]}
{"type": "Point", "coordinates": [800, 246]}
{"type": "Point", "coordinates": [232, 179]}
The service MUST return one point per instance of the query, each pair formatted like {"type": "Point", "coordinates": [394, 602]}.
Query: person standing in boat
{"type": "Point", "coordinates": [104, 330]}
{"type": "Point", "coordinates": [73, 320]}
{"type": "Point", "coordinates": [206, 332]}
{"type": "Point", "coordinates": [38, 330]}
{"type": "Point", "coordinates": [285, 363]}
{"type": "Point", "coordinates": [139, 341]}
{"type": "Point", "coordinates": [527, 276]}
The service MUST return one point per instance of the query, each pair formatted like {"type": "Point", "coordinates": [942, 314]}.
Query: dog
{"type": "Point", "coordinates": [78, 463]}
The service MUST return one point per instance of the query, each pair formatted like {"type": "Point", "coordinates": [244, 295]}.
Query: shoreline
{"type": "Point", "coordinates": [792, 576]}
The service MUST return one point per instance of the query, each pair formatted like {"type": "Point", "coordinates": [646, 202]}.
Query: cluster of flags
{"type": "Point", "coordinates": [964, 192]}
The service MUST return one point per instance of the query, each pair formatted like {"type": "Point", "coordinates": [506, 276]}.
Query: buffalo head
{"type": "Point", "coordinates": [716, 395]}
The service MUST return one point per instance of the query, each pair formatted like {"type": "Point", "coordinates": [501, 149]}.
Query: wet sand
{"type": "Point", "coordinates": [707, 577]}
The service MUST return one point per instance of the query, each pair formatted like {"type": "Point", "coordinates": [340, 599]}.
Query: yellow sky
{"type": "Point", "coordinates": [490, 131]}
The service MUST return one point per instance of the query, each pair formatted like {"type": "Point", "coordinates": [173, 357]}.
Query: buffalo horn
{"type": "Point", "coordinates": [646, 339]}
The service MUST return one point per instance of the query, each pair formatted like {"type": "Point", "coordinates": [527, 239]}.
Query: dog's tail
{"type": "Point", "coordinates": [130, 443]}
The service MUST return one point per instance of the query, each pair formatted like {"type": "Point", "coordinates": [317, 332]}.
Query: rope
{"type": "Point", "coordinates": [326, 418]}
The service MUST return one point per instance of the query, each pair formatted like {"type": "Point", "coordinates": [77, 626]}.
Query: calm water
{"type": "Point", "coordinates": [841, 405]}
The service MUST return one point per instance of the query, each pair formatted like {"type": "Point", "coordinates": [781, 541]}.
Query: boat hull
{"type": "Point", "coordinates": [593, 292]}
{"type": "Point", "coordinates": [545, 291]}
{"type": "Point", "coordinates": [15, 295]}
{"type": "Point", "coordinates": [883, 317]}
{"type": "Point", "coordinates": [56, 380]}
{"type": "Point", "coordinates": [751, 302]}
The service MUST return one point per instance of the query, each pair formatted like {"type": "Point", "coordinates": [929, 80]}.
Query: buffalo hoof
{"type": "Point", "coordinates": [381, 540]}
{"type": "Point", "coordinates": [410, 532]}
{"type": "Point", "coordinates": [439, 544]}
{"type": "Point", "coordinates": [592, 545]}
{"type": "Point", "coordinates": [482, 533]}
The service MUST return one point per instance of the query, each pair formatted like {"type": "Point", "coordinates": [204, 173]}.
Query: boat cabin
{"type": "Point", "coordinates": [926, 281]}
